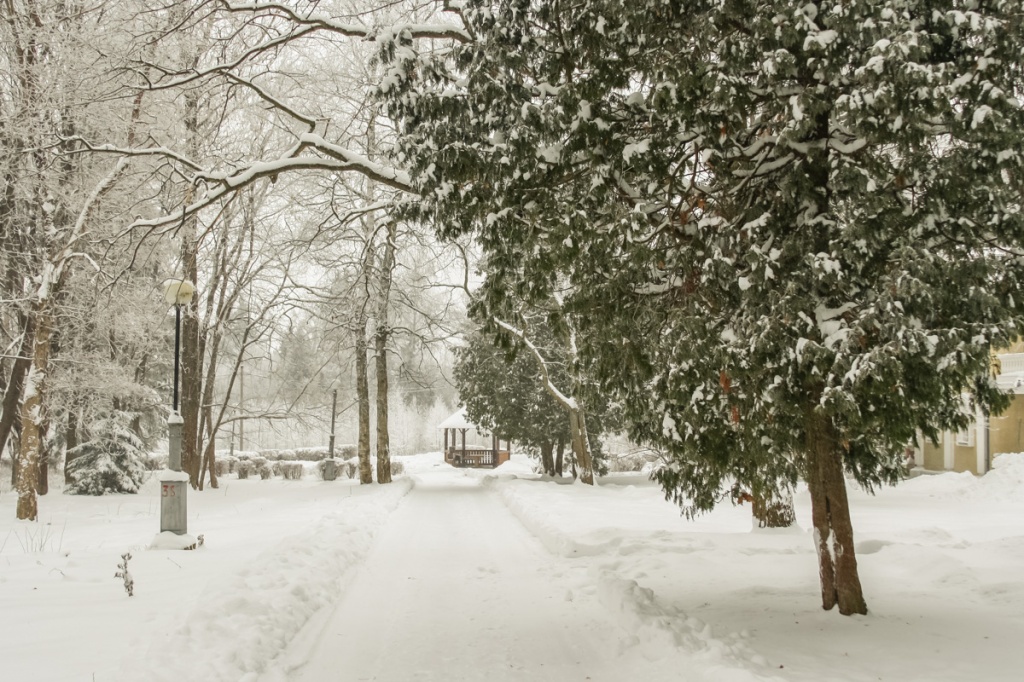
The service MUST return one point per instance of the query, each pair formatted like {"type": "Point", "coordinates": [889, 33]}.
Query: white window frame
{"type": "Point", "coordinates": [965, 437]}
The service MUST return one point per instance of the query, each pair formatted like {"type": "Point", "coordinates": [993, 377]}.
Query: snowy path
{"type": "Point", "coordinates": [456, 589]}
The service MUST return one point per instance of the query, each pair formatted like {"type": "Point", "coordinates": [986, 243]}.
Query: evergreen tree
{"type": "Point", "coordinates": [790, 232]}
{"type": "Point", "coordinates": [504, 392]}
{"type": "Point", "coordinates": [110, 461]}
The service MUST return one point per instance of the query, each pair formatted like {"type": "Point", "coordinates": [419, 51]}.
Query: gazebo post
{"type": "Point", "coordinates": [446, 443]}
{"type": "Point", "coordinates": [464, 445]}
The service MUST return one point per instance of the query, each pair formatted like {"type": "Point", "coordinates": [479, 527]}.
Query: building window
{"type": "Point", "coordinates": [965, 436]}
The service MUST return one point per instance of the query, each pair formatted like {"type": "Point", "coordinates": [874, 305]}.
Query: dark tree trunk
{"type": "Point", "coordinates": [71, 442]}
{"type": "Point", "coordinates": [191, 349]}
{"type": "Point", "coordinates": [363, 398]}
{"type": "Point", "coordinates": [383, 437]}
{"type": "Point", "coordinates": [560, 457]}
{"type": "Point", "coordinates": [190, 392]}
{"type": "Point", "coordinates": [14, 457]}
{"type": "Point", "coordinates": [830, 512]}
{"type": "Point", "coordinates": [15, 385]}
{"type": "Point", "coordinates": [43, 483]}
{"type": "Point", "coordinates": [546, 459]}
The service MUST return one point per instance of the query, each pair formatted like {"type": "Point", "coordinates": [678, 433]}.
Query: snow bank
{"type": "Point", "coordinates": [1002, 484]}
{"type": "Point", "coordinates": [658, 630]}
{"type": "Point", "coordinates": [240, 623]}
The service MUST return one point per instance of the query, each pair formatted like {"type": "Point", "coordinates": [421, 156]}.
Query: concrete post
{"type": "Point", "coordinates": [174, 483]}
{"type": "Point", "coordinates": [174, 426]}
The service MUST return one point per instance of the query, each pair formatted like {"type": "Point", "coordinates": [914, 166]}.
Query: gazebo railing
{"type": "Point", "coordinates": [471, 457]}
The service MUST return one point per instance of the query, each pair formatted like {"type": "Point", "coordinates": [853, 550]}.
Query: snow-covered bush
{"type": "Point", "coordinates": [111, 461]}
{"type": "Point", "coordinates": [225, 464]}
{"type": "Point", "coordinates": [397, 468]}
{"type": "Point", "coordinates": [244, 468]}
{"type": "Point", "coordinates": [630, 461]}
{"type": "Point", "coordinates": [292, 471]}
{"type": "Point", "coordinates": [154, 461]}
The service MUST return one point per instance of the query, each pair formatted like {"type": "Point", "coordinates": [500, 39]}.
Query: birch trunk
{"type": "Point", "coordinates": [383, 331]}
{"type": "Point", "coordinates": [33, 417]}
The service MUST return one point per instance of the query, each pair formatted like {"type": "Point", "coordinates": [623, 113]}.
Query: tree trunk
{"type": "Point", "coordinates": [71, 442]}
{"type": "Point", "coordinates": [560, 457]}
{"type": "Point", "coordinates": [32, 417]}
{"type": "Point", "coordinates": [380, 342]}
{"type": "Point", "coordinates": [15, 385]}
{"type": "Point", "coordinates": [830, 512]}
{"type": "Point", "coordinates": [191, 354]}
{"type": "Point", "coordinates": [43, 482]}
{"type": "Point", "coordinates": [363, 397]}
{"type": "Point", "coordinates": [773, 511]}
{"type": "Point", "coordinates": [546, 460]}
{"type": "Point", "coordinates": [581, 445]}
{"type": "Point", "coordinates": [383, 439]}
{"type": "Point", "coordinates": [14, 464]}
{"type": "Point", "coordinates": [191, 370]}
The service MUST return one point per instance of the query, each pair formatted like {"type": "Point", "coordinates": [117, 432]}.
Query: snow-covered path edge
{"type": "Point", "coordinates": [653, 626]}
{"type": "Point", "coordinates": [243, 622]}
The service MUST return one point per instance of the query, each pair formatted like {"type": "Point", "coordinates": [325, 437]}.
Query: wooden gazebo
{"type": "Point", "coordinates": [474, 454]}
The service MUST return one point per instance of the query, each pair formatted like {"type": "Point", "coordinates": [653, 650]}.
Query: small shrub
{"type": "Point", "coordinates": [265, 471]}
{"type": "Point", "coordinates": [224, 465]}
{"type": "Point", "coordinates": [244, 469]}
{"type": "Point", "coordinates": [292, 471]}
{"type": "Point", "coordinates": [123, 574]}
{"type": "Point", "coordinates": [397, 468]}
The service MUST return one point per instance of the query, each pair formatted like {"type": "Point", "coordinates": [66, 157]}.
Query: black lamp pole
{"type": "Point", "coordinates": [177, 352]}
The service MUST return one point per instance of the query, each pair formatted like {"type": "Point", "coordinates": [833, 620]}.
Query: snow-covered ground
{"type": "Point", "coordinates": [460, 575]}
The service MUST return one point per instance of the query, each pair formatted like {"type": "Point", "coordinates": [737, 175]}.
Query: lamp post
{"type": "Point", "coordinates": [173, 501]}
{"type": "Point", "coordinates": [330, 466]}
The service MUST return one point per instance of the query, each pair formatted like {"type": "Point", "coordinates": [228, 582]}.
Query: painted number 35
{"type": "Point", "coordinates": [168, 491]}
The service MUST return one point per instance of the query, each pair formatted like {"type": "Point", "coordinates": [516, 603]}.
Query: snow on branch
{"type": "Point", "coordinates": [334, 158]}
{"type": "Point", "coordinates": [192, 75]}
{"type": "Point", "coordinates": [271, 100]}
{"type": "Point", "coordinates": [165, 152]}
{"type": "Point", "coordinates": [391, 177]}
{"type": "Point", "coordinates": [566, 401]}
{"type": "Point", "coordinates": [320, 21]}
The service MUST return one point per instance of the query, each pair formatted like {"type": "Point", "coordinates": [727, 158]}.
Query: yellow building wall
{"type": "Point", "coordinates": [1007, 429]}
{"type": "Point", "coordinates": [965, 458]}
{"type": "Point", "coordinates": [934, 458]}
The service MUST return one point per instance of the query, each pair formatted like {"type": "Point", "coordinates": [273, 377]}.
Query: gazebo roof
{"type": "Point", "coordinates": [457, 421]}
